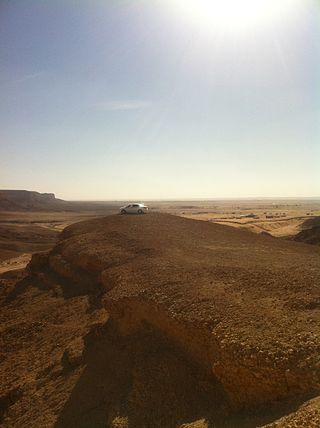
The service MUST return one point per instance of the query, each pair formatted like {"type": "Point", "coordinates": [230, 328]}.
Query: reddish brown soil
{"type": "Point", "coordinates": [206, 323]}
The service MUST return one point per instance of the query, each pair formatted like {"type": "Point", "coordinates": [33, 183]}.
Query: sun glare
{"type": "Point", "coordinates": [234, 16]}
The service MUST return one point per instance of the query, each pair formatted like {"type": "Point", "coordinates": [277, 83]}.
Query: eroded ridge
{"type": "Point", "coordinates": [245, 307]}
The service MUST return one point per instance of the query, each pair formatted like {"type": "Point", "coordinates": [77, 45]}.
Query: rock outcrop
{"type": "Point", "coordinates": [245, 308]}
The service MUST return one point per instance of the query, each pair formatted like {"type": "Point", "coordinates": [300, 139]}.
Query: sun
{"type": "Point", "coordinates": [233, 16]}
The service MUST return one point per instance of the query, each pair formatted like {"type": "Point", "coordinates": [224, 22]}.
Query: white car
{"type": "Point", "coordinates": [134, 209]}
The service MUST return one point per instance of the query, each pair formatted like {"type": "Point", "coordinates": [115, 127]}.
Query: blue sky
{"type": "Point", "coordinates": [135, 100]}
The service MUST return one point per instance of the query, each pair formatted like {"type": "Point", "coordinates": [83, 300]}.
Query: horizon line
{"type": "Point", "coordinates": [199, 199]}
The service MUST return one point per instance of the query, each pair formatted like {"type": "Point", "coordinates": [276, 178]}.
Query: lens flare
{"type": "Point", "coordinates": [235, 16]}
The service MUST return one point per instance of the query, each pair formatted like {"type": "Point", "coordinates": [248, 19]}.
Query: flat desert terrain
{"type": "Point", "coordinates": [280, 218]}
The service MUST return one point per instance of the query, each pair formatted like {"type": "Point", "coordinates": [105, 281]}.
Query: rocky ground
{"type": "Point", "coordinates": [162, 321]}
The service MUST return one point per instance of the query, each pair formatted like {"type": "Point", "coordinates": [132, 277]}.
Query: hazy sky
{"type": "Point", "coordinates": [146, 99]}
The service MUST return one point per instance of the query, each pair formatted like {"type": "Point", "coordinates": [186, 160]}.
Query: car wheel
{"type": "Point", "coordinates": [139, 211]}
{"type": "Point", "coordinates": [123, 212]}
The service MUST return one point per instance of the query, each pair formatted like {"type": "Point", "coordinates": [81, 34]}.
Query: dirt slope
{"type": "Point", "coordinates": [310, 233]}
{"type": "Point", "coordinates": [161, 321]}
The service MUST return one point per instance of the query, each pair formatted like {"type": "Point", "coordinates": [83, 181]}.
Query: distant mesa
{"type": "Point", "coordinates": [24, 200]}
